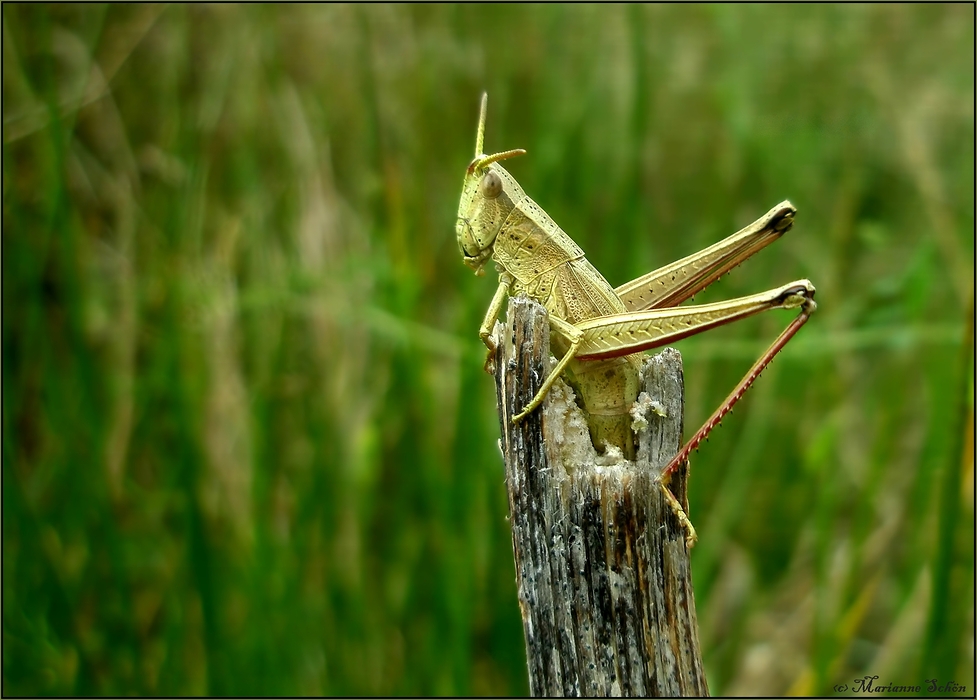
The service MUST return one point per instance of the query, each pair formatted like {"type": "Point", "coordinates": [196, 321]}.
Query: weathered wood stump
{"type": "Point", "coordinates": [602, 568]}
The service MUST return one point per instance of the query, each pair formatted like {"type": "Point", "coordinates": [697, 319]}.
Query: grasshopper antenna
{"type": "Point", "coordinates": [482, 160]}
{"type": "Point", "coordinates": [480, 138]}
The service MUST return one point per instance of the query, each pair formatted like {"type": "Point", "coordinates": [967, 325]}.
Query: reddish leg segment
{"type": "Point", "coordinates": [735, 395]}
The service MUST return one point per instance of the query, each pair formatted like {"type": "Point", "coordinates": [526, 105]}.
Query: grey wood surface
{"type": "Point", "coordinates": [602, 568]}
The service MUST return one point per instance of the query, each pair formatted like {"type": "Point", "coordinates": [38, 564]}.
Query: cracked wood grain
{"type": "Point", "coordinates": [602, 569]}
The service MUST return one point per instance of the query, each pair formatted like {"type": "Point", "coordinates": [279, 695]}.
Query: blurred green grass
{"type": "Point", "coordinates": [248, 447]}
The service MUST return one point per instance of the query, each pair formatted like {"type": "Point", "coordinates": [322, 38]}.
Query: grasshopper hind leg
{"type": "Point", "coordinates": [799, 297]}
{"type": "Point", "coordinates": [690, 535]}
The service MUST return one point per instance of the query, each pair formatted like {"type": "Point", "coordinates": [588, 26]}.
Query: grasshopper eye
{"type": "Point", "coordinates": [491, 186]}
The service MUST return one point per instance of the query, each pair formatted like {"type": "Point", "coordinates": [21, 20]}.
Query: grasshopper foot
{"type": "Point", "coordinates": [690, 536]}
{"type": "Point", "coordinates": [518, 418]}
{"type": "Point", "coordinates": [489, 365]}
{"type": "Point", "coordinates": [530, 407]}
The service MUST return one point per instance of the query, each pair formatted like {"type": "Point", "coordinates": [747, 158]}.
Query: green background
{"type": "Point", "coordinates": [248, 446]}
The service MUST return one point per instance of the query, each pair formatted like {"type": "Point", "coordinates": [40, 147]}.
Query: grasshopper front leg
{"type": "Point", "coordinates": [491, 316]}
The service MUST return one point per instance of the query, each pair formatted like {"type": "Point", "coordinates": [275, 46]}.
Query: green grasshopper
{"type": "Point", "coordinates": [596, 330]}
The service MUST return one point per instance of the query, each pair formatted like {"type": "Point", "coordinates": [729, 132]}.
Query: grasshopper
{"type": "Point", "coordinates": [597, 330]}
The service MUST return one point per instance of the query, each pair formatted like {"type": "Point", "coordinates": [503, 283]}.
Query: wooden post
{"type": "Point", "coordinates": [602, 568]}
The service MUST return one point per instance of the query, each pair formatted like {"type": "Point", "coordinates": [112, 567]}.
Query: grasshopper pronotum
{"type": "Point", "coordinates": [597, 329]}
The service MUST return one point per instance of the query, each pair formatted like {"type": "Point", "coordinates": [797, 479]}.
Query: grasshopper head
{"type": "Point", "coordinates": [488, 194]}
